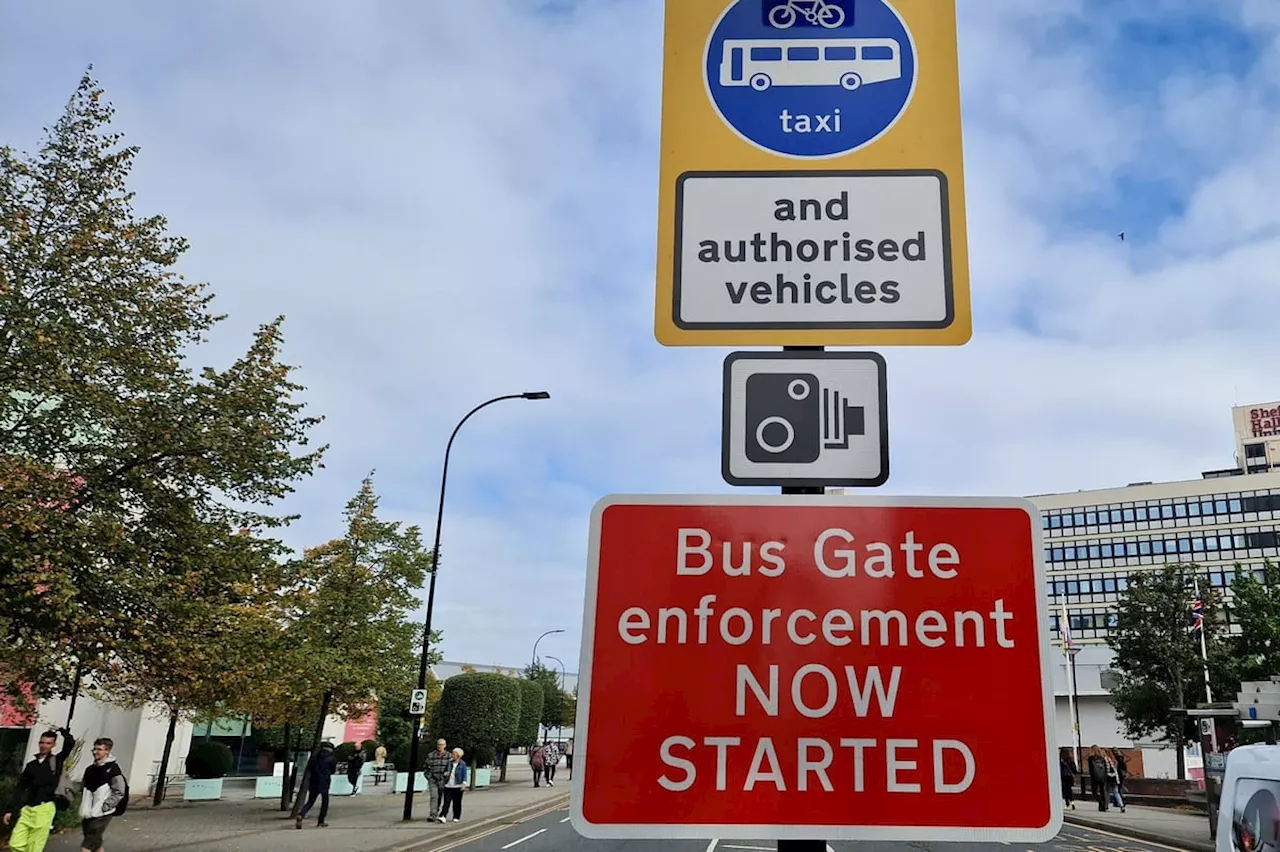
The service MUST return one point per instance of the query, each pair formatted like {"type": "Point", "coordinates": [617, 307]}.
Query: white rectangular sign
{"type": "Point", "coordinates": [805, 419]}
{"type": "Point", "coordinates": [788, 250]}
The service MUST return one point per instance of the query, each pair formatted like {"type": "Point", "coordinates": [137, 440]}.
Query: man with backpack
{"type": "Point", "coordinates": [34, 797]}
{"type": "Point", "coordinates": [105, 794]}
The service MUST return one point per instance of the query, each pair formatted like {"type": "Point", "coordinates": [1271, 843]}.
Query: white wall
{"type": "Point", "coordinates": [138, 735]}
{"type": "Point", "coordinates": [1098, 724]}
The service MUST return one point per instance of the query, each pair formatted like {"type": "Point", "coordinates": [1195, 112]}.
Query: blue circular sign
{"type": "Point", "coordinates": [810, 78]}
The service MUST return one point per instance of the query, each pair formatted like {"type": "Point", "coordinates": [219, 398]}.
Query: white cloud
{"type": "Point", "coordinates": [456, 200]}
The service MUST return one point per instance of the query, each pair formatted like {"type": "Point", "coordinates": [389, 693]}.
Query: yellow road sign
{"type": "Point", "coordinates": [812, 186]}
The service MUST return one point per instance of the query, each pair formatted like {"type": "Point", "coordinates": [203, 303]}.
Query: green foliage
{"type": "Point", "coordinates": [1256, 609]}
{"type": "Point", "coordinates": [105, 428]}
{"type": "Point", "coordinates": [1158, 662]}
{"type": "Point", "coordinates": [344, 627]}
{"type": "Point", "coordinates": [553, 698]}
{"type": "Point", "coordinates": [531, 698]}
{"type": "Point", "coordinates": [399, 756]}
{"type": "Point", "coordinates": [209, 759]}
{"type": "Point", "coordinates": [480, 712]}
{"type": "Point", "coordinates": [344, 751]}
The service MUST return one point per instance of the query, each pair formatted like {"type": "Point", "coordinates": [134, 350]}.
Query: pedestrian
{"type": "Point", "coordinates": [538, 760]}
{"type": "Point", "coordinates": [319, 776]}
{"type": "Point", "coordinates": [1067, 771]}
{"type": "Point", "coordinates": [437, 772]}
{"type": "Point", "coordinates": [454, 783]}
{"type": "Point", "coordinates": [103, 787]}
{"type": "Point", "coordinates": [1098, 777]}
{"type": "Point", "coordinates": [550, 761]}
{"type": "Point", "coordinates": [1113, 783]}
{"type": "Point", "coordinates": [1122, 766]}
{"type": "Point", "coordinates": [380, 756]}
{"type": "Point", "coordinates": [568, 757]}
{"type": "Point", "coordinates": [32, 808]}
{"type": "Point", "coordinates": [354, 764]}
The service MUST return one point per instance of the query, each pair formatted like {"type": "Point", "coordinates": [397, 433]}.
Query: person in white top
{"type": "Point", "coordinates": [455, 782]}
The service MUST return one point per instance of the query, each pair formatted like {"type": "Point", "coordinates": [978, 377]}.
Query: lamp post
{"type": "Point", "coordinates": [431, 587]}
{"type": "Point", "coordinates": [534, 658]}
{"type": "Point", "coordinates": [560, 727]}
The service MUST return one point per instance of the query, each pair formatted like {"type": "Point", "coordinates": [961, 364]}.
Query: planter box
{"type": "Point", "coordinates": [482, 777]}
{"type": "Point", "coordinates": [202, 789]}
{"type": "Point", "coordinates": [268, 788]}
{"type": "Point", "coordinates": [402, 782]}
{"type": "Point", "coordinates": [340, 786]}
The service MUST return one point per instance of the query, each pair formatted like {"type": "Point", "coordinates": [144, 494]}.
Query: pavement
{"type": "Point", "coordinates": [370, 822]}
{"type": "Point", "coordinates": [1181, 829]}
{"type": "Point", "coordinates": [552, 832]}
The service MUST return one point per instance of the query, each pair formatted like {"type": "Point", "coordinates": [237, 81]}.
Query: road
{"type": "Point", "coordinates": [552, 833]}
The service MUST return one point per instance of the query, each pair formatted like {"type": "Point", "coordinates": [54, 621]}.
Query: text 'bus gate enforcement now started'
{"type": "Point", "coordinates": [771, 106]}
{"type": "Point", "coordinates": [795, 667]}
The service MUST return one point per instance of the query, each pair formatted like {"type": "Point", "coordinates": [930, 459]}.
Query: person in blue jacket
{"type": "Point", "coordinates": [320, 771]}
{"type": "Point", "coordinates": [455, 782]}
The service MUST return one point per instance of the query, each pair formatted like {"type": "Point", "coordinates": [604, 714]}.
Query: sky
{"type": "Point", "coordinates": [450, 201]}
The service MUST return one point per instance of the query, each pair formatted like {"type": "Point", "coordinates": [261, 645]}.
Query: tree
{"type": "Point", "coordinates": [193, 640]}
{"type": "Point", "coordinates": [532, 696]}
{"type": "Point", "coordinates": [1158, 662]}
{"type": "Point", "coordinates": [553, 697]}
{"type": "Point", "coordinates": [480, 711]}
{"type": "Point", "coordinates": [347, 613]}
{"type": "Point", "coordinates": [103, 420]}
{"type": "Point", "coordinates": [395, 725]}
{"type": "Point", "coordinates": [1256, 608]}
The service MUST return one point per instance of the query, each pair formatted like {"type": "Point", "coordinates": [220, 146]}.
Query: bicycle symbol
{"type": "Point", "coordinates": [819, 12]}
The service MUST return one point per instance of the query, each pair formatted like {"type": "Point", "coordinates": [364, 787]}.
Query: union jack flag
{"type": "Point", "coordinates": [1197, 615]}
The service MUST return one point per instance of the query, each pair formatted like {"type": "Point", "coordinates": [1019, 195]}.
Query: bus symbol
{"type": "Point", "coordinates": [846, 62]}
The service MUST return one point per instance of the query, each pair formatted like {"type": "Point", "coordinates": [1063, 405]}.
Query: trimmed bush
{"type": "Point", "coordinates": [343, 752]}
{"type": "Point", "coordinates": [209, 760]}
{"type": "Point", "coordinates": [399, 756]}
{"type": "Point", "coordinates": [480, 711]}
{"type": "Point", "coordinates": [531, 697]}
{"type": "Point", "coordinates": [369, 746]}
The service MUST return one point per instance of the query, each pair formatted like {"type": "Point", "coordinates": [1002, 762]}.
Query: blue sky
{"type": "Point", "coordinates": [454, 200]}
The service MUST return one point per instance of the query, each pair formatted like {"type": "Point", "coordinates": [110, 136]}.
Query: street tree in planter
{"type": "Point", "coordinates": [348, 614]}
{"type": "Point", "coordinates": [553, 704]}
{"type": "Point", "coordinates": [480, 712]}
{"type": "Point", "coordinates": [531, 698]}
{"type": "Point", "coordinates": [193, 640]}
{"type": "Point", "coordinates": [102, 420]}
{"type": "Point", "coordinates": [1158, 662]}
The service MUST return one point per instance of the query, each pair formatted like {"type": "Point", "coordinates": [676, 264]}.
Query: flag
{"type": "Point", "coordinates": [1197, 615]}
{"type": "Point", "coordinates": [1064, 628]}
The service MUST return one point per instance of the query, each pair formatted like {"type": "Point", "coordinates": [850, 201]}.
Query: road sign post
{"type": "Point", "coordinates": [811, 182]}
{"type": "Point", "coordinates": [785, 668]}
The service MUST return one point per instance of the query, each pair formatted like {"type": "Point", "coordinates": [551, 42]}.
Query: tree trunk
{"type": "Point", "coordinates": [315, 745]}
{"type": "Point", "coordinates": [286, 777]}
{"type": "Point", "coordinates": [502, 773]}
{"type": "Point", "coordinates": [1182, 757]}
{"type": "Point", "coordinates": [162, 776]}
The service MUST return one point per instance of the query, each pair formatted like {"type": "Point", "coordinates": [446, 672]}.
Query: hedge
{"type": "Point", "coordinates": [209, 759]}
{"type": "Point", "coordinates": [480, 711]}
{"type": "Point", "coordinates": [531, 698]}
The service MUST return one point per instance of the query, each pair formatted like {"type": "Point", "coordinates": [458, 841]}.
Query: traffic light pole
{"type": "Point", "coordinates": [803, 845]}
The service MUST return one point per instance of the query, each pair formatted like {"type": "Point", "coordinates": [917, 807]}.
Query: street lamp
{"type": "Point", "coordinates": [560, 727]}
{"type": "Point", "coordinates": [431, 588]}
{"type": "Point", "coordinates": [534, 659]}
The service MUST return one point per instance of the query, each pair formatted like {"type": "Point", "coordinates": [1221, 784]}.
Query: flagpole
{"type": "Point", "coordinates": [1204, 650]}
{"type": "Point", "coordinates": [1069, 649]}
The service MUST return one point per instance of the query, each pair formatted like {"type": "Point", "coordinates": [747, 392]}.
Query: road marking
{"type": "Point", "coordinates": [500, 825]}
{"type": "Point", "coordinates": [523, 839]}
{"type": "Point", "coordinates": [566, 819]}
{"type": "Point", "coordinates": [711, 847]}
{"type": "Point", "coordinates": [761, 848]}
{"type": "Point", "coordinates": [1133, 840]}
